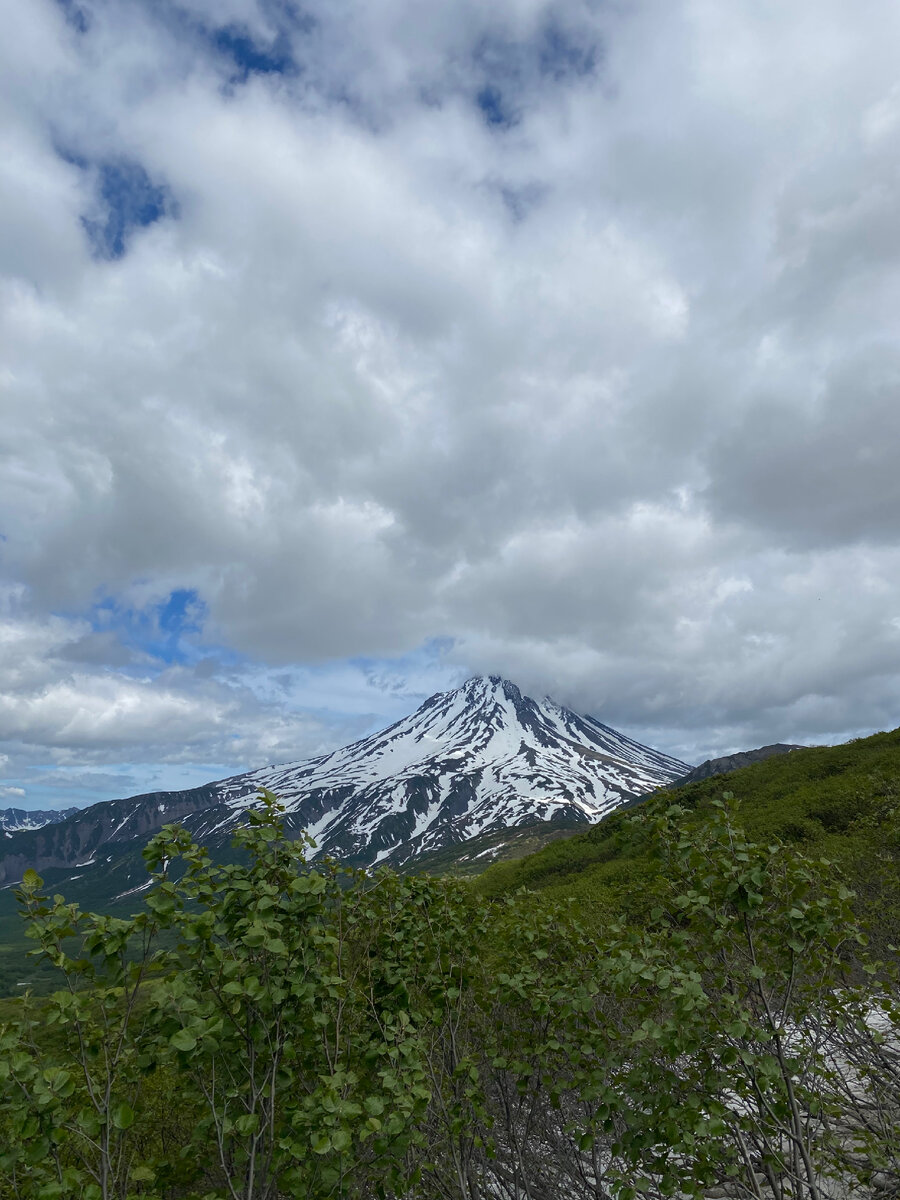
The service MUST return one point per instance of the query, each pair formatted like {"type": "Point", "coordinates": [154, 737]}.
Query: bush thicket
{"type": "Point", "coordinates": [263, 1029]}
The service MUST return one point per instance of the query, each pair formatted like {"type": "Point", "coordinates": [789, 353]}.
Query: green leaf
{"type": "Point", "coordinates": [122, 1115]}
{"type": "Point", "coordinates": [340, 1140]}
{"type": "Point", "coordinates": [183, 1040]}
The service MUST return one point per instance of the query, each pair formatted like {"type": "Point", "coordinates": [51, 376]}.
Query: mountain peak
{"type": "Point", "coordinates": [484, 686]}
{"type": "Point", "coordinates": [479, 757]}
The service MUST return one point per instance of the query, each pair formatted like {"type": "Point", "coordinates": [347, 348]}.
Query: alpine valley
{"type": "Point", "coordinates": [475, 761]}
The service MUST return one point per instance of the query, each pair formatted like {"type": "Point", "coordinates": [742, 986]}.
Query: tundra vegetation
{"type": "Point", "coordinates": [264, 1029]}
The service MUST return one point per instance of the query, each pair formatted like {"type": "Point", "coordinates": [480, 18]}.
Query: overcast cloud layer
{"type": "Point", "coordinates": [349, 348]}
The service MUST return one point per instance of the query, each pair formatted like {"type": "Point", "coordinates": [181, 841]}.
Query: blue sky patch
{"type": "Point", "coordinates": [239, 50]}
{"type": "Point", "coordinates": [129, 200]}
{"type": "Point", "coordinates": [511, 70]}
{"type": "Point", "coordinates": [75, 15]}
{"type": "Point", "coordinates": [493, 109]}
{"type": "Point", "coordinates": [166, 630]}
{"type": "Point", "coordinates": [249, 57]}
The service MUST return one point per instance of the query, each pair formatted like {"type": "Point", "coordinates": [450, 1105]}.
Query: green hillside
{"type": "Point", "coordinates": [842, 802]}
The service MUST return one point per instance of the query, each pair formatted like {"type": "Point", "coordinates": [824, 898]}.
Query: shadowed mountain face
{"type": "Point", "coordinates": [480, 758]}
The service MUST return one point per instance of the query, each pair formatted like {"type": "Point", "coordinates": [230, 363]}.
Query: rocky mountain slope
{"type": "Point", "coordinates": [480, 758]}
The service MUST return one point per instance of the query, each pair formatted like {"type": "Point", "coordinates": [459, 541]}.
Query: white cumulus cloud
{"type": "Point", "coordinates": [565, 333]}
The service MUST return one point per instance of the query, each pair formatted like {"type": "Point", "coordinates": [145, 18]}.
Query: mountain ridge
{"type": "Point", "coordinates": [727, 763]}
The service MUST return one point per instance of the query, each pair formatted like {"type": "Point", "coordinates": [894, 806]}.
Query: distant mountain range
{"type": "Point", "coordinates": [481, 758]}
{"type": "Point", "coordinates": [14, 819]}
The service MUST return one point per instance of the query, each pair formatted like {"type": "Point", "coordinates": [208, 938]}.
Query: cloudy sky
{"type": "Point", "coordinates": [350, 347]}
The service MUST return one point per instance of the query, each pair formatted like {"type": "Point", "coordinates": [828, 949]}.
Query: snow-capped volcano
{"type": "Point", "coordinates": [479, 758]}
{"type": "Point", "coordinates": [475, 760]}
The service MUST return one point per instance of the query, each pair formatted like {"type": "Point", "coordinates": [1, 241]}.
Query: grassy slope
{"type": "Point", "coordinates": [841, 802]}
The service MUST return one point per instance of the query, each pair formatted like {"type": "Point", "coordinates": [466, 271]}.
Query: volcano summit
{"type": "Point", "coordinates": [480, 758]}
